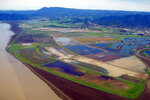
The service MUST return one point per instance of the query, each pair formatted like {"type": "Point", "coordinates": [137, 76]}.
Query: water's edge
{"type": "Point", "coordinates": [18, 81]}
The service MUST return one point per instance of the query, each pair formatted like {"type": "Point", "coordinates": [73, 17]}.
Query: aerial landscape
{"type": "Point", "coordinates": [59, 53]}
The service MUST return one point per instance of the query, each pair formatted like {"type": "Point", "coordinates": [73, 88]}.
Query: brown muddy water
{"type": "Point", "coordinates": [17, 82]}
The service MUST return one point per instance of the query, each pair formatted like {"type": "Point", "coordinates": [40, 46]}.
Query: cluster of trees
{"type": "Point", "coordinates": [12, 17]}
{"type": "Point", "coordinates": [99, 17]}
{"type": "Point", "coordinates": [131, 21]}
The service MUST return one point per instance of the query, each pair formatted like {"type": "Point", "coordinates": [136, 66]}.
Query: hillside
{"type": "Point", "coordinates": [88, 17]}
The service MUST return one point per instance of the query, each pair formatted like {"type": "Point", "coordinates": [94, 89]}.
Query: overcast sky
{"type": "Point", "coordinates": [131, 5]}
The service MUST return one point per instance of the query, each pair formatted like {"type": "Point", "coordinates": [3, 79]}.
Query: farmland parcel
{"type": "Point", "coordinates": [97, 61]}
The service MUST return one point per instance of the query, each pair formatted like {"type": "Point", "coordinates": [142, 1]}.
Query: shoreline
{"type": "Point", "coordinates": [55, 89]}
{"type": "Point", "coordinates": [83, 92]}
{"type": "Point", "coordinates": [17, 81]}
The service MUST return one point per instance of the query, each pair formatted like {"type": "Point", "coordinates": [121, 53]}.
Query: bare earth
{"type": "Point", "coordinates": [112, 69]}
{"type": "Point", "coordinates": [148, 84]}
{"type": "Point", "coordinates": [57, 53]}
{"type": "Point", "coordinates": [64, 29]}
{"type": "Point", "coordinates": [16, 81]}
{"type": "Point", "coordinates": [131, 63]}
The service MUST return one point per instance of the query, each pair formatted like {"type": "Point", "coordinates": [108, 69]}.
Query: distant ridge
{"type": "Point", "coordinates": [54, 10]}
{"type": "Point", "coordinates": [101, 17]}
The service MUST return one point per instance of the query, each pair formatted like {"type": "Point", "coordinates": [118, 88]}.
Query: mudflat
{"type": "Point", "coordinates": [17, 82]}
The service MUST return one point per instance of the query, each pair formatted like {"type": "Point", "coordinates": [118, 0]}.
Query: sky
{"type": "Point", "coordinates": [129, 5]}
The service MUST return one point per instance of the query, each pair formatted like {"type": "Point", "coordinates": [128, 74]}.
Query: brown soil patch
{"type": "Point", "coordinates": [131, 63]}
{"type": "Point", "coordinates": [148, 84]}
{"type": "Point", "coordinates": [120, 85]}
{"type": "Point", "coordinates": [113, 70]}
{"type": "Point", "coordinates": [97, 39]}
{"type": "Point", "coordinates": [81, 92]}
{"type": "Point", "coordinates": [64, 29]}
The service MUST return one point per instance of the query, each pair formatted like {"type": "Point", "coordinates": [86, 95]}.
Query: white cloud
{"type": "Point", "coordinates": [82, 4]}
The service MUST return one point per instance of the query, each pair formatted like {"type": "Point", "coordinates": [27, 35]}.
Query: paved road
{"type": "Point", "coordinates": [16, 81]}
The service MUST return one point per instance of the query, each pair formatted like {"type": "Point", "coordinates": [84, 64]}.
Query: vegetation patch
{"type": "Point", "coordinates": [94, 40]}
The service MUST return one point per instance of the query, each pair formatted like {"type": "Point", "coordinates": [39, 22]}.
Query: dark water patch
{"type": "Point", "coordinates": [82, 49]}
{"type": "Point", "coordinates": [102, 77]}
{"type": "Point", "coordinates": [101, 45]}
{"type": "Point", "coordinates": [67, 68]}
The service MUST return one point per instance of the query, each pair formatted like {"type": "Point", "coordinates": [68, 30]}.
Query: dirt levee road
{"type": "Point", "coordinates": [16, 81]}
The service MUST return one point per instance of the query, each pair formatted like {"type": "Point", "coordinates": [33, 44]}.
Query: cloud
{"type": "Point", "coordinates": [136, 5]}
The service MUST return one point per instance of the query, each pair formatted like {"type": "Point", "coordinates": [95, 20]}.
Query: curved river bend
{"type": "Point", "coordinates": [17, 82]}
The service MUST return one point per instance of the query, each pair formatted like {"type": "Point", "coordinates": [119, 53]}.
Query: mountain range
{"type": "Point", "coordinates": [113, 18]}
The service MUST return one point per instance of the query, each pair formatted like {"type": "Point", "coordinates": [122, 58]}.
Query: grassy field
{"type": "Point", "coordinates": [119, 37]}
{"type": "Point", "coordinates": [84, 34]}
{"type": "Point", "coordinates": [51, 23]}
{"type": "Point", "coordinates": [97, 39]}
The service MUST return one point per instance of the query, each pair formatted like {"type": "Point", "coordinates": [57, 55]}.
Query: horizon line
{"type": "Point", "coordinates": [72, 8]}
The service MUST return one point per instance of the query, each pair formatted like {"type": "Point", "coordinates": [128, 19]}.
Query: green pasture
{"type": "Point", "coordinates": [84, 34]}
{"type": "Point", "coordinates": [30, 31]}
{"type": "Point", "coordinates": [119, 37]}
{"type": "Point", "coordinates": [56, 23]}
